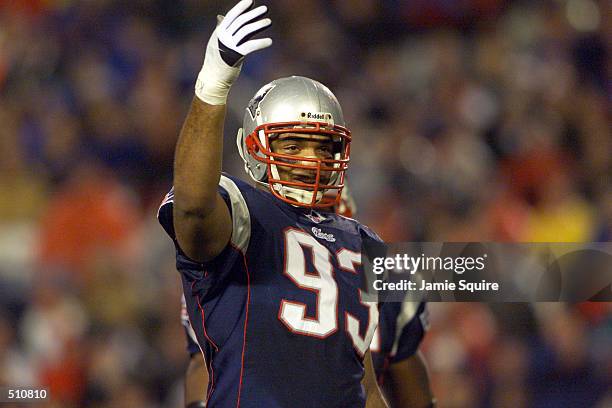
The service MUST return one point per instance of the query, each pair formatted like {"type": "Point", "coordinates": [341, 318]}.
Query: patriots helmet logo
{"type": "Point", "coordinates": [254, 103]}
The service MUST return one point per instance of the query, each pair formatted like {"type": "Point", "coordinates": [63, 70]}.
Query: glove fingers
{"type": "Point", "coordinates": [254, 45]}
{"type": "Point", "coordinates": [246, 18]}
{"type": "Point", "coordinates": [250, 30]}
{"type": "Point", "coordinates": [236, 11]}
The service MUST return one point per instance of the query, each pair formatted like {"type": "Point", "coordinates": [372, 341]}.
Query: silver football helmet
{"type": "Point", "coordinates": [295, 105]}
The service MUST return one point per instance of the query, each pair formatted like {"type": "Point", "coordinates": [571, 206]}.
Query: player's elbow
{"type": "Point", "coordinates": [192, 213]}
{"type": "Point", "coordinates": [203, 232]}
{"type": "Point", "coordinates": [194, 205]}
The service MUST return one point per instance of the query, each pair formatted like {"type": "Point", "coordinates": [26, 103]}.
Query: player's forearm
{"type": "Point", "coordinates": [374, 397]}
{"type": "Point", "coordinates": [197, 167]}
{"type": "Point", "coordinates": [201, 218]}
{"type": "Point", "coordinates": [197, 162]}
{"type": "Point", "coordinates": [410, 383]}
{"type": "Point", "coordinates": [202, 221]}
{"type": "Point", "coordinates": [376, 400]}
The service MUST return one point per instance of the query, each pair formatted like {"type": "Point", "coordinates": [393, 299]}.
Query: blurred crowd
{"type": "Point", "coordinates": [473, 120]}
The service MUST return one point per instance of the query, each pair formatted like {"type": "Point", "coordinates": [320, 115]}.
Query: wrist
{"type": "Point", "coordinates": [211, 88]}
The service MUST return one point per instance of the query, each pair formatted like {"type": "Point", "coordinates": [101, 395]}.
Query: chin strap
{"type": "Point", "coordinates": [297, 194]}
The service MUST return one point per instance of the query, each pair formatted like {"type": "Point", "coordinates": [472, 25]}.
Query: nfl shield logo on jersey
{"type": "Point", "coordinates": [315, 217]}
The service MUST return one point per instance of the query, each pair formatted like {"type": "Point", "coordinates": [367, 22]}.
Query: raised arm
{"type": "Point", "coordinates": [202, 220]}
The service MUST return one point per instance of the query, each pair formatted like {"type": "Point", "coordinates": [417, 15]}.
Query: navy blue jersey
{"type": "Point", "coordinates": [399, 333]}
{"type": "Point", "coordinates": [192, 341]}
{"type": "Point", "coordinates": [278, 314]}
{"type": "Point", "coordinates": [396, 338]}
{"type": "Point", "coordinates": [401, 328]}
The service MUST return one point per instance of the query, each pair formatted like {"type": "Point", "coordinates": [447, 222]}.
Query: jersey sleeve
{"type": "Point", "coordinates": [372, 246]}
{"type": "Point", "coordinates": [412, 322]}
{"type": "Point", "coordinates": [210, 275]}
{"type": "Point", "coordinates": [192, 342]}
{"type": "Point", "coordinates": [369, 237]}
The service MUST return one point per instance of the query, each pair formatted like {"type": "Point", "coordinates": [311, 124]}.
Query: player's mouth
{"type": "Point", "coordinates": [303, 178]}
{"type": "Point", "coordinates": [309, 179]}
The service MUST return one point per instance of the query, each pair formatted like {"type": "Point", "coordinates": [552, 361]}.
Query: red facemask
{"type": "Point", "coordinates": [335, 167]}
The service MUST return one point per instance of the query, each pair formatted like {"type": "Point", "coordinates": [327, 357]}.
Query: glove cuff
{"type": "Point", "coordinates": [213, 90]}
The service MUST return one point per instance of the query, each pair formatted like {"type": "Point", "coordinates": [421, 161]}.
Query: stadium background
{"type": "Point", "coordinates": [473, 120]}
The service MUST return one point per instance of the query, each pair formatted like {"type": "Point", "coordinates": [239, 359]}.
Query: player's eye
{"type": "Point", "coordinates": [291, 149]}
{"type": "Point", "coordinates": [326, 150]}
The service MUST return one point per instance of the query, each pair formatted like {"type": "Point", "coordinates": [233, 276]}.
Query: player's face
{"type": "Point", "coordinates": [300, 145]}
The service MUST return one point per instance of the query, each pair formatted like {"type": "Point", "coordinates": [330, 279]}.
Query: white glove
{"type": "Point", "coordinates": [226, 49]}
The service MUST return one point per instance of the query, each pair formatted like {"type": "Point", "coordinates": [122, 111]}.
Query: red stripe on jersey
{"type": "Point", "coordinates": [212, 371]}
{"type": "Point", "coordinates": [204, 322]}
{"type": "Point", "coordinates": [212, 382]}
{"type": "Point", "coordinates": [246, 321]}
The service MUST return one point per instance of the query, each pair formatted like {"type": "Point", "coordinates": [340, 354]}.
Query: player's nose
{"type": "Point", "coordinates": [312, 150]}
{"type": "Point", "coordinates": [306, 173]}
{"type": "Point", "coordinates": [307, 163]}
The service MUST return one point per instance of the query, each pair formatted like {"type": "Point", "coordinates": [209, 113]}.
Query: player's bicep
{"type": "Point", "coordinates": [203, 236]}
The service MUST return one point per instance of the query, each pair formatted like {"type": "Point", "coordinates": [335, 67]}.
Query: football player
{"type": "Point", "coordinates": [400, 368]}
{"type": "Point", "coordinates": [271, 283]}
